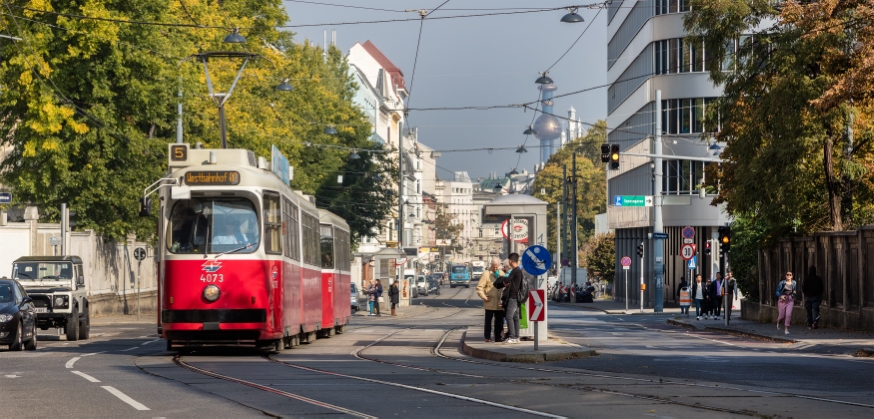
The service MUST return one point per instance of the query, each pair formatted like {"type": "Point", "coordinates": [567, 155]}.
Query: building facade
{"type": "Point", "coordinates": [647, 52]}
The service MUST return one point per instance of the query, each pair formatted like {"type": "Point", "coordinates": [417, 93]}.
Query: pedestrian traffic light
{"type": "Point", "coordinates": [724, 239]}
{"type": "Point", "coordinates": [640, 249]}
{"type": "Point", "coordinates": [605, 153]}
{"type": "Point", "coordinates": [707, 248]}
{"type": "Point", "coordinates": [614, 156]}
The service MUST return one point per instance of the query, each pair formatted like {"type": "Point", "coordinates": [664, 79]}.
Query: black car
{"type": "Point", "coordinates": [17, 317]}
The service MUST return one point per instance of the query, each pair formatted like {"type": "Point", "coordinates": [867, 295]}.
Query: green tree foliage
{"type": "Point", "coordinates": [88, 105]}
{"type": "Point", "coordinates": [747, 234]}
{"type": "Point", "coordinates": [591, 182]}
{"type": "Point", "coordinates": [598, 255]}
{"type": "Point", "coordinates": [786, 108]}
{"type": "Point", "coordinates": [447, 228]}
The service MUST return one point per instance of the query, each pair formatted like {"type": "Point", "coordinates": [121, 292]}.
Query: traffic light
{"type": "Point", "coordinates": [71, 219]}
{"type": "Point", "coordinates": [707, 248]}
{"type": "Point", "coordinates": [614, 156]}
{"type": "Point", "coordinates": [605, 153]}
{"type": "Point", "coordinates": [640, 249]}
{"type": "Point", "coordinates": [724, 239]}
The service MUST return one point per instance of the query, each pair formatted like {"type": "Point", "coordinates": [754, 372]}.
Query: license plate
{"type": "Point", "coordinates": [41, 309]}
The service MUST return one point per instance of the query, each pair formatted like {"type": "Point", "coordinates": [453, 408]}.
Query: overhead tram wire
{"type": "Point", "coordinates": [603, 5]}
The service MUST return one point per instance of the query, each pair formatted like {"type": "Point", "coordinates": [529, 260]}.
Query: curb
{"type": "Point", "coordinates": [525, 358]}
{"type": "Point", "coordinates": [734, 332]}
{"type": "Point", "coordinates": [606, 311]}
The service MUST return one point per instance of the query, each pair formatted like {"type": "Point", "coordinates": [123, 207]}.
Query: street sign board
{"type": "Point", "coordinates": [632, 200]}
{"type": "Point", "coordinates": [536, 260]}
{"type": "Point", "coordinates": [687, 251]}
{"type": "Point", "coordinates": [688, 240]}
{"type": "Point", "coordinates": [5, 197]}
{"type": "Point", "coordinates": [565, 262]}
{"type": "Point", "coordinates": [139, 253]}
{"type": "Point", "coordinates": [536, 306]}
{"type": "Point", "coordinates": [519, 230]}
{"type": "Point", "coordinates": [688, 232]}
{"type": "Point", "coordinates": [660, 236]}
{"type": "Point", "coordinates": [55, 241]}
{"type": "Point", "coordinates": [693, 263]}
{"type": "Point", "coordinates": [626, 261]}
{"type": "Point", "coordinates": [444, 242]}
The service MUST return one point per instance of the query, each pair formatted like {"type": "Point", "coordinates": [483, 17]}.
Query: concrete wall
{"type": "Point", "coordinates": [844, 260]}
{"type": "Point", "coordinates": [109, 267]}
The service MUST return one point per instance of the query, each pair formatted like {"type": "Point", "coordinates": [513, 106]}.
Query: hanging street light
{"type": "Point", "coordinates": [572, 16]}
{"type": "Point", "coordinates": [521, 149]}
{"type": "Point", "coordinates": [530, 130]}
{"type": "Point", "coordinates": [284, 86]}
{"type": "Point", "coordinates": [234, 38]}
{"type": "Point", "coordinates": [354, 156]}
{"type": "Point", "coordinates": [543, 79]}
{"type": "Point", "coordinates": [331, 130]}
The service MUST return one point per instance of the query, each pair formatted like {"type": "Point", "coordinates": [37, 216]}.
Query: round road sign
{"type": "Point", "coordinates": [687, 251]}
{"type": "Point", "coordinates": [626, 261]}
{"type": "Point", "coordinates": [688, 232]}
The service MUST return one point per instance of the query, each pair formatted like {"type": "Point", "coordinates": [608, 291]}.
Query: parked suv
{"type": "Point", "coordinates": [422, 285]}
{"type": "Point", "coordinates": [57, 286]}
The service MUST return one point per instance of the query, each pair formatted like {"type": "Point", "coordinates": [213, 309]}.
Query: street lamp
{"type": "Point", "coordinates": [543, 79]}
{"type": "Point", "coordinates": [572, 16]}
{"type": "Point", "coordinates": [530, 131]}
{"type": "Point", "coordinates": [331, 130]}
{"type": "Point", "coordinates": [234, 38]}
{"type": "Point", "coordinates": [284, 86]}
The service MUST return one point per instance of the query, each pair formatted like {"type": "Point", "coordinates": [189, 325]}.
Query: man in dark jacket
{"type": "Point", "coordinates": [812, 289]}
{"type": "Point", "coordinates": [511, 310]}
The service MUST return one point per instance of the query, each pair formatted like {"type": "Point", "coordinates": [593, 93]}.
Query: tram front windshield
{"type": "Point", "coordinates": [199, 226]}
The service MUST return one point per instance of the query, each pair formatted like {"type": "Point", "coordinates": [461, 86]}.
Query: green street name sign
{"type": "Point", "coordinates": [632, 200]}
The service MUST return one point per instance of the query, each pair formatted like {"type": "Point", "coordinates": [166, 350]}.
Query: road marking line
{"type": "Point", "coordinates": [125, 398]}
{"type": "Point", "coordinates": [94, 353]}
{"type": "Point", "coordinates": [86, 376]}
{"type": "Point", "coordinates": [151, 341]}
{"type": "Point", "coordinates": [129, 349]}
{"type": "Point", "coordinates": [72, 361]}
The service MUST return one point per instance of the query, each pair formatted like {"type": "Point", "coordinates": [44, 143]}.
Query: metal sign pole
{"type": "Point", "coordinates": [641, 284]}
{"type": "Point", "coordinates": [139, 277]}
{"type": "Point", "coordinates": [626, 290]}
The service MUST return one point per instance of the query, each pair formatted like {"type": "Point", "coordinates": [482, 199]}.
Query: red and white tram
{"type": "Point", "coordinates": [241, 254]}
{"type": "Point", "coordinates": [336, 275]}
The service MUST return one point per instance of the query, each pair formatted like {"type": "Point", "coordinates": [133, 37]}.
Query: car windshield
{"type": "Point", "coordinates": [459, 269]}
{"type": "Point", "coordinates": [5, 293]}
{"type": "Point", "coordinates": [213, 226]}
{"type": "Point", "coordinates": [408, 277]}
{"type": "Point", "coordinates": [42, 270]}
{"type": "Point", "coordinates": [354, 288]}
{"type": "Point", "coordinates": [421, 279]}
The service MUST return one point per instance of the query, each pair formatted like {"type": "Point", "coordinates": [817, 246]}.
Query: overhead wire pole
{"type": "Point", "coordinates": [658, 226]}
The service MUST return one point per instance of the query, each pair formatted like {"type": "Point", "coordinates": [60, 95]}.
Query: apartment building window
{"type": "Point", "coordinates": [685, 116]}
{"type": "Point", "coordinates": [682, 177]}
{"type": "Point", "coordinates": [677, 55]}
{"type": "Point", "coordinates": [663, 7]}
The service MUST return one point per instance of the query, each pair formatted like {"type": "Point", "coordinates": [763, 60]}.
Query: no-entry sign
{"type": "Point", "coordinates": [536, 306]}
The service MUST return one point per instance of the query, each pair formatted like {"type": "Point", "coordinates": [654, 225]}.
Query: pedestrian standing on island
{"type": "Point", "coordinates": [812, 289]}
{"type": "Point", "coordinates": [491, 297]}
{"type": "Point", "coordinates": [513, 282]}
{"type": "Point", "coordinates": [717, 295]}
{"type": "Point", "coordinates": [394, 295]}
{"type": "Point", "coordinates": [729, 288]}
{"type": "Point", "coordinates": [684, 296]}
{"type": "Point", "coordinates": [786, 296]}
{"type": "Point", "coordinates": [371, 297]}
{"type": "Point", "coordinates": [377, 289]}
{"type": "Point", "coordinates": [698, 296]}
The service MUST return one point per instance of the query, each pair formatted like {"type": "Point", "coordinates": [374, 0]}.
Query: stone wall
{"type": "Point", "coordinates": [844, 260]}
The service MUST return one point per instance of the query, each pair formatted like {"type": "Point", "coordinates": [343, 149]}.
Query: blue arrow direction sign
{"type": "Point", "coordinates": [536, 260]}
{"type": "Point", "coordinates": [5, 197]}
{"type": "Point", "coordinates": [693, 262]}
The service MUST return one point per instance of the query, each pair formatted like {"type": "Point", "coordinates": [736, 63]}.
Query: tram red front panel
{"type": "Point", "coordinates": [328, 284]}
{"type": "Point", "coordinates": [244, 284]}
{"type": "Point", "coordinates": [342, 292]}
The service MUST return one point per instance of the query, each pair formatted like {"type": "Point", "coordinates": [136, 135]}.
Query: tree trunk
{"type": "Point", "coordinates": [832, 185]}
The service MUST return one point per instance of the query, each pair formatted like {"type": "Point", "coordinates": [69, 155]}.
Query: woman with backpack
{"type": "Point", "coordinates": [786, 299]}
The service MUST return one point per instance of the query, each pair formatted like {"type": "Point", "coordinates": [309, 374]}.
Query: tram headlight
{"type": "Point", "coordinates": [211, 292]}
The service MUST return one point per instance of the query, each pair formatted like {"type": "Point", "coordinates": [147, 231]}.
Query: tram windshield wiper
{"type": "Point", "coordinates": [233, 250]}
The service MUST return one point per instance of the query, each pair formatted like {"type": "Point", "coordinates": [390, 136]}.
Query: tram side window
{"type": "Point", "coordinates": [292, 230]}
{"type": "Point", "coordinates": [341, 244]}
{"type": "Point", "coordinates": [310, 240]}
{"type": "Point", "coordinates": [327, 246]}
{"type": "Point", "coordinates": [213, 226]}
{"type": "Point", "coordinates": [272, 224]}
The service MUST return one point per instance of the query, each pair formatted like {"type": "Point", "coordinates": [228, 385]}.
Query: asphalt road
{"type": "Point", "coordinates": [412, 365]}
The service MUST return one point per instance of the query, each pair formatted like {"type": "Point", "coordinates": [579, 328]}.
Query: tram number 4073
{"type": "Point", "coordinates": [212, 278]}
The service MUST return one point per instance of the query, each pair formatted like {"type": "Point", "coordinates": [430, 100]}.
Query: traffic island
{"type": "Point", "coordinates": [553, 349]}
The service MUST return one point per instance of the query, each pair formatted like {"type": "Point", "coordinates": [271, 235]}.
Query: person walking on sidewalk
{"type": "Point", "coordinates": [491, 297]}
{"type": "Point", "coordinates": [786, 296]}
{"type": "Point", "coordinates": [683, 295]}
{"type": "Point", "coordinates": [812, 289]}
{"type": "Point", "coordinates": [394, 294]}
{"type": "Point", "coordinates": [698, 296]}
{"type": "Point", "coordinates": [717, 295]}
{"type": "Point", "coordinates": [729, 290]}
{"type": "Point", "coordinates": [708, 299]}
{"type": "Point", "coordinates": [513, 282]}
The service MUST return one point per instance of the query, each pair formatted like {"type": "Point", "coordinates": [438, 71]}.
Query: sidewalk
{"type": "Point", "coordinates": [553, 349]}
{"type": "Point", "coordinates": [829, 340]}
{"type": "Point", "coordinates": [145, 318]}
{"type": "Point", "coordinates": [616, 307]}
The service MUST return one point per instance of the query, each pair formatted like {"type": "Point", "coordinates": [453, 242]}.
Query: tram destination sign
{"type": "Point", "coordinates": [212, 177]}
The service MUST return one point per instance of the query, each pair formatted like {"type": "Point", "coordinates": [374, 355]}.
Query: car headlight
{"type": "Point", "coordinates": [5, 318]}
{"type": "Point", "coordinates": [211, 292]}
{"type": "Point", "coordinates": [59, 301]}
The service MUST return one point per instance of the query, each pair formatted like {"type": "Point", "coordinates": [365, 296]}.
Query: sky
{"type": "Point", "coordinates": [490, 60]}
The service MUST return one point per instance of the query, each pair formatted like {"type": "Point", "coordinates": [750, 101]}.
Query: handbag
{"type": "Point", "coordinates": [380, 299]}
